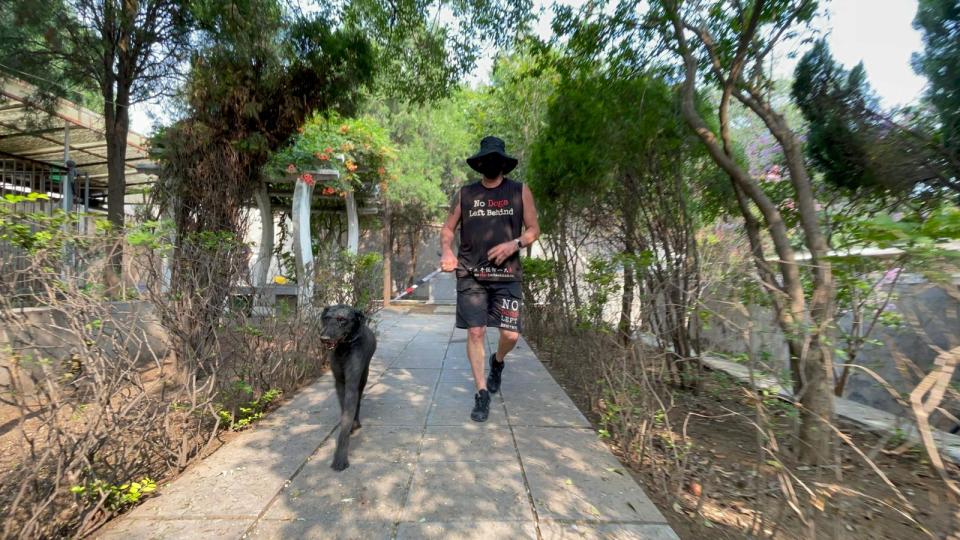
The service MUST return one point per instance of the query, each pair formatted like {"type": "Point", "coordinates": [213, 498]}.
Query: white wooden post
{"type": "Point", "coordinates": [302, 247]}
{"type": "Point", "coordinates": [353, 225]}
{"type": "Point", "coordinates": [262, 265]}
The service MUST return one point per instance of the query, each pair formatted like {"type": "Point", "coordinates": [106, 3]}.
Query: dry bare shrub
{"type": "Point", "coordinates": [103, 399]}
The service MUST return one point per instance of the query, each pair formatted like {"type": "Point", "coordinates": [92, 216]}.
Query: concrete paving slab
{"type": "Point", "coordinates": [468, 442]}
{"type": "Point", "coordinates": [551, 408]}
{"type": "Point", "coordinates": [322, 530]}
{"type": "Point", "coordinates": [467, 491]}
{"type": "Point", "coordinates": [452, 375]}
{"type": "Point", "coordinates": [552, 530]}
{"type": "Point", "coordinates": [362, 492]}
{"type": "Point", "coordinates": [462, 389]}
{"type": "Point", "coordinates": [572, 475]}
{"type": "Point", "coordinates": [457, 413]}
{"type": "Point", "coordinates": [478, 530]}
{"type": "Point", "coordinates": [424, 377]}
{"type": "Point", "coordinates": [431, 358]}
{"type": "Point", "coordinates": [176, 529]}
{"type": "Point", "coordinates": [394, 411]}
{"type": "Point", "coordinates": [377, 444]}
{"type": "Point", "coordinates": [239, 479]}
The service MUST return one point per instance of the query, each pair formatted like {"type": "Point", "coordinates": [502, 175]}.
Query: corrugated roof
{"type": "Point", "coordinates": [38, 135]}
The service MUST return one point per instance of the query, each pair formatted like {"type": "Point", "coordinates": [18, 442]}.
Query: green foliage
{"type": "Point", "coordinates": [117, 497]}
{"type": "Point", "coordinates": [432, 142]}
{"type": "Point", "coordinates": [835, 104]}
{"type": "Point", "coordinates": [539, 278]}
{"type": "Point", "coordinates": [915, 230]}
{"type": "Point", "coordinates": [151, 234]}
{"type": "Point", "coordinates": [359, 149]}
{"type": "Point", "coordinates": [343, 278]}
{"type": "Point", "coordinates": [610, 143]}
{"type": "Point", "coordinates": [514, 106]}
{"type": "Point", "coordinates": [601, 283]}
{"type": "Point", "coordinates": [939, 23]}
{"type": "Point", "coordinates": [33, 230]}
{"type": "Point", "coordinates": [250, 411]}
{"type": "Point", "coordinates": [421, 59]}
{"type": "Point", "coordinates": [256, 77]}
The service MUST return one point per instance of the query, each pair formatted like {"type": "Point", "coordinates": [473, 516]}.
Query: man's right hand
{"type": "Point", "coordinates": [448, 262]}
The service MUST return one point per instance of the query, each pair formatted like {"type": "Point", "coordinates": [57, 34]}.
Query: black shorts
{"type": "Point", "coordinates": [488, 303]}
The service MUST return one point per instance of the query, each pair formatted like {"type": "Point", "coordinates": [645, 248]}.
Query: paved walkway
{"type": "Point", "coordinates": [419, 467]}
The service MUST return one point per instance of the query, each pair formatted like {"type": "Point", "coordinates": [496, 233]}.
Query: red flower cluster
{"type": "Point", "coordinates": [328, 191]}
{"type": "Point", "coordinates": [307, 179]}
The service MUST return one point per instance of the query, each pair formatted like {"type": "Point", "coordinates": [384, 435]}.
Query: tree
{"type": "Point", "coordinates": [423, 58]}
{"type": "Point", "coordinates": [616, 152]}
{"type": "Point", "coordinates": [255, 79]}
{"type": "Point", "coordinates": [727, 45]}
{"type": "Point", "coordinates": [939, 22]}
{"type": "Point", "coordinates": [128, 50]}
{"type": "Point", "coordinates": [432, 141]}
{"type": "Point", "coordinates": [857, 145]}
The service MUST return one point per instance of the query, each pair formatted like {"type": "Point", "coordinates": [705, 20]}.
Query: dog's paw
{"type": "Point", "coordinates": [356, 426]}
{"type": "Point", "coordinates": [339, 464]}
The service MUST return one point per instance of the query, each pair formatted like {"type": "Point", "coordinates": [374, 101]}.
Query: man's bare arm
{"type": "Point", "coordinates": [448, 261]}
{"type": "Point", "coordinates": [532, 231]}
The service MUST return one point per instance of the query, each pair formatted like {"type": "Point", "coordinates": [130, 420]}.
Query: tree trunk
{"type": "Point", "coordinates": [816, 400]}
{"type": "Point", "coordinates": [387, 253]}
{"type": "Point", "coordinates": [626, 302]}
{"type": "Point", "coordinates": [813, 362]}
{"type": "Point", "coordinates": [413, 236]}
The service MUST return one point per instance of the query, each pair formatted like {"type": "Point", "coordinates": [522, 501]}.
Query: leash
{"type": "Point", "coordinates": [409, 290]}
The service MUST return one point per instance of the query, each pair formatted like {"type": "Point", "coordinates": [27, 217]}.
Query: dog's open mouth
{"type": "Point", "coordinates": [330, 344]}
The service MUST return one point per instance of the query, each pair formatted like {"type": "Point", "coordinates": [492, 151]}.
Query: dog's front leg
{"type": "Point", "coordinates": [351, 399]}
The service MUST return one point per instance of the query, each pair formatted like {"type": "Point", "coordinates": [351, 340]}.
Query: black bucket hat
{"type": "Point", "coordinates": [492, 146]}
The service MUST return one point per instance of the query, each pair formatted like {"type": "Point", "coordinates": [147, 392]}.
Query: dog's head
{"type": "Point", "coordinates": [340, 323]}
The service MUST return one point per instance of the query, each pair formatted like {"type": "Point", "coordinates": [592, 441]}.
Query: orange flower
{"type": "Point", "coordinates": [346, 147]}
{"type": "Point", "coordinates": [381, 171]}
{"type": "Point", "coordinates": [323, 157]}
{"type": "Point", "coordinates": [307, 179]}
{"type": "Point", "coordinates": [291, 168]}
{"type": "Point", "coordinates": [328, 190]}
{"type": "Point", "coordinates": [344, 128]}
{"type": "Point", "coordinates": [351, 166]}
{"type": "Point", "coordinates": [328, 150]}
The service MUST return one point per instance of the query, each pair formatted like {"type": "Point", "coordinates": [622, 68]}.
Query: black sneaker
{"type": "Point", "coordinates": [496, 369]}
{"type": "Point", "coordinates": [481, 407]}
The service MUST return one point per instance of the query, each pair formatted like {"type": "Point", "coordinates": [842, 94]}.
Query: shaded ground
{"type": "Point", "coordinates": [721, 479]}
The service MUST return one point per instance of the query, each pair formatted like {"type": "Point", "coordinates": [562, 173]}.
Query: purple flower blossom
{"type": "Point", "coordinates": [890, 276]}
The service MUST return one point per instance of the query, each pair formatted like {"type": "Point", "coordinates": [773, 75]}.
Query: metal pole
{"type": "Point", "coordinates": [66, 194]}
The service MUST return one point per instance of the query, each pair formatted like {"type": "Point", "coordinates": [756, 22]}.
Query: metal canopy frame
{"type": "Point", "coordinates": [64, 131]}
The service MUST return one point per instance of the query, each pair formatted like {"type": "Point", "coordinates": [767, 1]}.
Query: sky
{"type": "Point", "coordinates": [876, 32]}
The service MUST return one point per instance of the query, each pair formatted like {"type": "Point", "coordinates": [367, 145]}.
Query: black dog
{"type": "Point", "coordinates": [344, 331]}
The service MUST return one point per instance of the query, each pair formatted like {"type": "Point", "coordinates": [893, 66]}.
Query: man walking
{"type": "Point", "coordinates": [497, 218]}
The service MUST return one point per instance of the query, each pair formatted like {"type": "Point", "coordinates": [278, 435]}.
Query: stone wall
{"type": "Point", "coordinates": [932, 320]}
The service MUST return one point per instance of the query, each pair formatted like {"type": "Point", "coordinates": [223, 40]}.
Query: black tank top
{"type": "Point", "coordinates": [490, 216]}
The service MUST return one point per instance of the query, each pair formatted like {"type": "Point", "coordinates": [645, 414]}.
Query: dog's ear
{"type": "Point", "coordinates": [361, 318]}
{"type": "Point", "coordinates": [324, 312]}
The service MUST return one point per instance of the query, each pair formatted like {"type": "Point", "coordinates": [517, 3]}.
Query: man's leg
{"type": "Point", "coordinates": [472, 308]}
{"type": "Point", "coordinates": [506, 316]}
{"type": "Point", "coordinates": [508, 340]}
{"type": "Point", "coordinates": [475, 350]}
